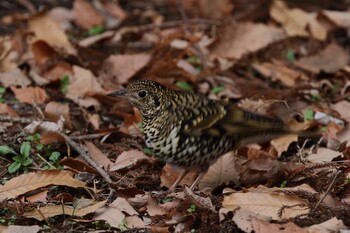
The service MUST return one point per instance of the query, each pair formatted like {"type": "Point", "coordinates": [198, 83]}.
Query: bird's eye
{"type": "Point", "coordinates": [142, 94]}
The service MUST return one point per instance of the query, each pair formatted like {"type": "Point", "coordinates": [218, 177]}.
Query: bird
{"type": "Point", "coordinates": [190, 131]}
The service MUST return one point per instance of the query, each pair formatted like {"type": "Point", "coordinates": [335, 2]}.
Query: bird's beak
{"type": "Point", "coordinates": [118, 93]}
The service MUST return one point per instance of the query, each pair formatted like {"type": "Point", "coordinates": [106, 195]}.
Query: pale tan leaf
{"type": "Point", "coordinates": [331, 59]}
{"type": "Point", "coordinates": [124, 67]}
{"type": "Point", "coordinates": [97, 155]}
{"type": "Point", "coordinates": [133, 222]}
{"type": "Point", "coordinates": [129, 159]}
{"type": "Point", "coordinates": [7, 110]}
{"type": "Point", "coordinates": [170, 174]}
{"type": "Point", "coordinates": [222, 171]}
{"type": "Point", "coordinates": [342, 107]}
{"type": "Point", "coordinates": [296, 21]}
{"type": "Point", "coordinates": [110, 214]}
{"type": "Point", "coordinates": [266, 203]}
{"type": "Point", "coordinates": [339, 18]}
{"type": "Point", "coordinates": [279, 72]}
{"type": "Point", "coordinates": [281, 144]}
{"type": "Point", "coordinates": [14, 78]}
{"type": "Point", "coordinates": [123, 205]}
{"type": "Point", "coordinates": [323, 155]}
{"type": "Point", "coordinates": [54, 210]}
{"type": "Point", "coordinates": [31, 181]}
{"type": "Point", "coordinates": [48, 30]}
{"type": "Point", "coordinates": [80, 84]}
{"type": "Point", "coordinates": [331, 225]}
{"type": "Point", "coordinates": [237, 39]}
{"type": "Point", "coordinates": [153, 209]}
{"type": "Point", "coordinates": [260, 226]}
{"type": "Point", "coordinates": [215, 9]}
{"type": "Point", "coordinates": [85, 15]}
{"type": "Point", "coordinates": [30, 95]}
{"type": "Point", "coordinates": [21, 229]}
{"type": "Point", "coordinates": [54, 111]}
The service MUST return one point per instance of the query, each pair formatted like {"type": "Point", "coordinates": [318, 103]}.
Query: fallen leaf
{"type": "Point", "coordinates": [170, 174]}
{"type": "Point", "coordinates": [43, 127]}
{"type": "Point", "coordinates": [237, 38]}
{"type": "Point", "coordinates": [221, 172]}
{"type": "Point", "coordinates": [87, 42]}
{"type": "Point", "coordinates": [331, 59]}
{"type": "Point", "coordinates": [7, 110]}
{"type": "Point", "coordinates": [78, 165]}
{"type": "Point", "coordinates": [21, 229]}
{"type": "Point", "coordinates": [33, 180]}
{"type": "Point", "coordinates": [85, 15]}
{"type": "Point", "coordinates": [82, 82]}
{"type": "Point", "coordinates": [30, 95]}
{"type": "Point", "coordinates": [51, 137]}
{"type": "Point", "coordinates": [55, 110]}
{"type": "Point", "coordinates": [62, 16]}
{"type": "Point", "coordinates": [38, 197]}
{"type": "Point", "coordinates": [48, 30]}
{"type": "Point", "coordinates": [296, 21]}
{"type": "Point", "coordinates": [124, 67]}
{"type": "Point", "coordinates": [279, 72]}
{"type": "Point", "coordinates": [281, 144]}
{"type": "Point", "coordinates": [323, 155]}
{"type": "Point", "coordinates": [42, 52]}
{"type": "Point", "coordinates": [133, 222]}
{"type": "Point", "coordinates": [97, 155]}
{"type": "Point", "coordinates": [342, 107]}
{"type": "Point", "coordinates": [113, 213]}
{"type": "Point", "coordinates": [339, 18]}
{"type": "Point", "coordinates": [261, 226]}
{"type": "Point", "coordinates": [267, 204]}
{"type": "Point", "coordinates": [114, 9]}
{"type": "Point", "coordinates": [129, 159]}
{"type": "Point", "coordinates": [215, 9]}
{"type": "Point", "coordinates": [331, 225]}
{"type": "Point", "coordinates": [14, 78]}
{"type": "Point", "coordinates": [49, 211]}
{"type": "Point", "coordinates": [153, 209]}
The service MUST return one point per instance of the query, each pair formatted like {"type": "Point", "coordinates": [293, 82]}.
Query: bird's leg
{"type": "Point", "coordinates": [179, 179]}
{"type": "Point", "coordinates": [203, 170]}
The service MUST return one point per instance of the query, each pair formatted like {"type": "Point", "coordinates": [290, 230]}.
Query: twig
{"type": "Point", "coordinates": [327, 191]}
{"type": "Point", "coordinates": [88, 136]}
{"type": "Point", "coordinates": [45, 161]}
{"type": "Point", "coordinates": [16, 119]}
{"type": "Point", "coordinates": [86, 157]}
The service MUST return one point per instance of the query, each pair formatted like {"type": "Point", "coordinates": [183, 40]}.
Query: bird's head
{"type": "Point", "coordinates": [146, 95]}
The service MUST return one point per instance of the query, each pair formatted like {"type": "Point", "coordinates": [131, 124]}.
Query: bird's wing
{"type": "Point", "coordinates": [232, 121]}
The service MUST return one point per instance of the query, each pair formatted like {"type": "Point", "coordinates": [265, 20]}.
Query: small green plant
{"type": "Point", "coordinates": [290, 55]}
{"type": "Point", "coordinates": [20, 159]}
{"type": "Point", "coordinates": [55, 156]}
{"type": "Point", "coordinates": [36, 139]}
{"type": "Point", "coordinates": [309, 115]}
{"type": "Point", "coordinates": [192, 208]}
{"type": "Point", "coordinates": [347, 180]}
{"type": "Point", "coordinates": [95, 30]}
{"type": "Point", "coordinates": [2, 92]}
{"type": "Point", "coordinates": [64, 84]}
{"type": "Point", "coordinates": [194, 60]}
{"type": "Point", "coordinates": [217, 90]}
{"type": "Point", "coordinates": [284, 184]}
{"type": "Point", "coordinates": [184, 85]}
{"type": "Point", "coordinates": [165, 200]}
{"type": "Point", "coordinates": [140, 126]}
{"type": "Point", "coordinates": [147, 151]}
{"type": "Point", "coordinates": [122, 225]}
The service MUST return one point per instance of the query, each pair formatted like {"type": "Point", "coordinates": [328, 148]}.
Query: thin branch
{"type": "Point", "coordinates": [16, 119]}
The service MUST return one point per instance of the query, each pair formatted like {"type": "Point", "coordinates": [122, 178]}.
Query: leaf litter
{"type": "Point", "coordinates": [87, 157]}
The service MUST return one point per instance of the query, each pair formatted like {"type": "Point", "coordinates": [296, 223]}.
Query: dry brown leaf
{"type": "Point", "coordinates": [21, 229]}
{"type": "Point", "coordinates": [82, 82]}
{"type": "Point", "coordinates": [14, 78]}
{"type": "Point", "coordinates": [342, 107]}
{"type": "Point", "coordinates": [204, 202]}
{"type": "Point", "coordinates": [30, 95]}
{"type": "Point", "coordinates": [238, 39]}
{"type": "Point", "coordinates": [51, 137]}
{"type": "Point", "coordinates": [331, 59]}
{"type": "Point", "coordinates": [97, 155]}
{"type": "Point", "coordinates": [7, 110]}
{"type": "Point", "coordinates": [133, 222]}
{"type": "Point", "coordinates": [8, 54]}
{"type": "Point", "coordinates": [48, 30]}
{"type": "Point", "coordinates": [55, 110]}
{"type": "Point", "coordinates": [124, 67]}
{"type": "Point", "coordinates": [129, 159]}
{"type": "Point", "coordinates": [281, 144]}
{"type": "Point", "coordinates": [170, 174]}
{"type": "Point", "coordinates": [153, 209]}
{"type": "Point", "coordinates": [296, 21]}
{"type": "Point", "coordinates": [113, 213]}
{"type": "Point", "coordinates": [261, 226]}
{"type": "Point", "coordinates": [42, 52]}
{"type": "Point", "coordinates": [331, 225]}
{"type": "Point", "coordinates": [222, 171]}
{"type": "Point", "coordinates": [53, 210]}
{"type": "Point", "coordinates": [38, 197]}
{"type": "Point", "coordinates": [114, 9]}
{"type": "Point", "coordinates": [215, 9]}
{"type": "Point", "coordinates": [85, 15]}
{"type": "Point", "coordinates": [279, 72]}
{"type": "Point", "coordinates": [31, 181]}
{"type": "Point", "coordinates": [323, 155]}
{"type": "Point", "coordinates": [339, 18]}
{"type": "Point", "coordinates": [87, 42]}
{"type": "Point", "coordinates": [62, 16]}
{"type": "Point", "coordinates": [267, 203]}
{"type": "Point", "coordinates": [78, 165]}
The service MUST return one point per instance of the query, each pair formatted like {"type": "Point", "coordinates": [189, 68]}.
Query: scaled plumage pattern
{"type": "Point", "coordinates": [191, 131]}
